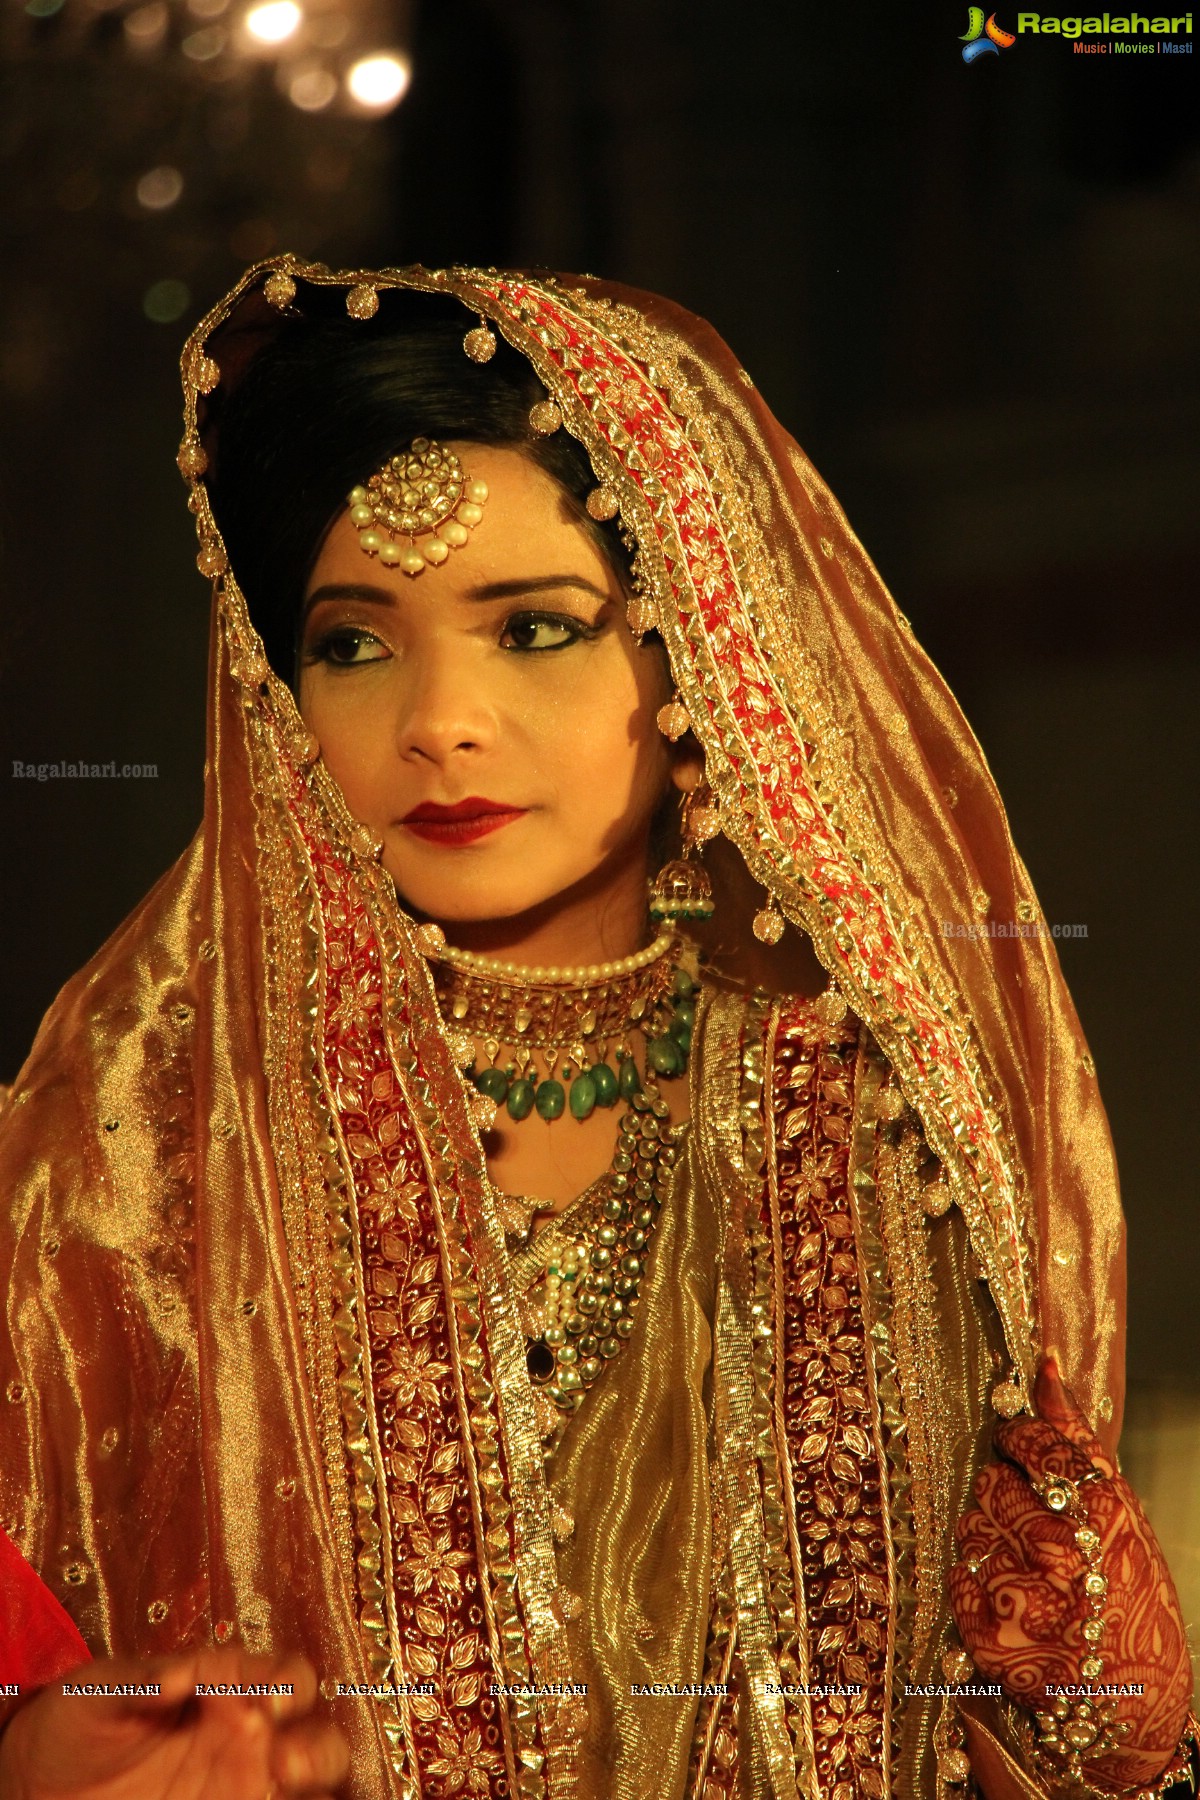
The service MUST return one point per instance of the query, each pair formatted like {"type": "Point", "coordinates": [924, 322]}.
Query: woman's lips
{"type": "Point", "coordinates": [463, 823]}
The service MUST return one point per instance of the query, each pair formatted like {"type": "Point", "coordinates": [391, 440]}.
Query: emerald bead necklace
{"type": "Point", "coordinates": [566, 1034]}
{"type": "Point", "coordinates": [561, 1041]}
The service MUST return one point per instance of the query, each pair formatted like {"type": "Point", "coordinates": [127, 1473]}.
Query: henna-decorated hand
{"type": "Point", "coordinates": [1017, 1592]}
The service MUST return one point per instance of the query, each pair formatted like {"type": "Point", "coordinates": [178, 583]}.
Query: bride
{"type": "Point", "coordinates": [536, 1263]}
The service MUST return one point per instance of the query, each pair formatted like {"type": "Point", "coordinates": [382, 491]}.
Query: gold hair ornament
{"type": "Point", "coordinates": [421, 490]}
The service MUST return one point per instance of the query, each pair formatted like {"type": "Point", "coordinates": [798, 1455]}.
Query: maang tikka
{"type": "Point", "coordinates": [420, 492]}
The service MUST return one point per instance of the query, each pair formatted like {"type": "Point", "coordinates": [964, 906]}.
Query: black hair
{"type": "Point", "coordinates": [327, 402]}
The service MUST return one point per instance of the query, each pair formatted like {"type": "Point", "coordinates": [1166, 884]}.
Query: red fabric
{"type": "Point", "coordinates": [37, 1638]}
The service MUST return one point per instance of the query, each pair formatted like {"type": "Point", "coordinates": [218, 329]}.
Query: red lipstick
{"type": "Point", "coordinates": [462, 823]}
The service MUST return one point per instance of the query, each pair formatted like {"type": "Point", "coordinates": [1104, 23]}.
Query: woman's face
{"type": "Point", "coordinates": [504, 685]}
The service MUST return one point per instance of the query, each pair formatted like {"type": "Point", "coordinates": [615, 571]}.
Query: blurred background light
{"type": "Point", "coordinates": [207, 9]}
{"type": "Point", "coordinates": [146, 28]}
{"type": "Point", "coordinates": [378, 82]}
{"type": "Point", "coordinates": [166, 301]}
{"type": "Point", "coordinates": [43, 9]}
{"type": "Point", "coordinates": [159, 188]}
{"type": "Point", "coordinates": [274, 21]}
{"type": "Point", "coordinates": [328, 30]}
{"type": "Point", "coordinates": [252, 239]}
{"type": "Point", "coordinates": [205, 44]}
{"type": "Point", "coordinates": [311, 89]}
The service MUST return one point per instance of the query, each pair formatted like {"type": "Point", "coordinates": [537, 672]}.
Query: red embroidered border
{"type": "Point", "coordinates": [838, 1475]}
{"type": "Point", "coordinates": [455, 1735]}
{"type": "Point", "coordinates": [655, 452]}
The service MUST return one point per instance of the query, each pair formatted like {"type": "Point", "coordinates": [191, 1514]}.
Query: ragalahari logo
{"type": "Point", "coordinates": [984, 37]}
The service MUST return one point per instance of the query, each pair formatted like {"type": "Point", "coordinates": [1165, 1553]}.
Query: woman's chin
{"type": "Point", "coordinates": [468, 903]}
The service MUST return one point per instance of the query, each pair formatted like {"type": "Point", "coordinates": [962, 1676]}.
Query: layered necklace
{"type": "Point", "coordinates": [561, 1042]}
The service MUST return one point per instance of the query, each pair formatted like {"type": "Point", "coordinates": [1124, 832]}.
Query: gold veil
{"type": "Point", "coordinates": [248, 1221]}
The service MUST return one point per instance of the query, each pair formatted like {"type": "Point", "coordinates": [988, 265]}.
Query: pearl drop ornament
{"type": "Point", "coordinates": [205, 373]}
{"type": "Point", "coordinates": [602, 503]}
{"type": "Point", "coordinates": [480, 344]}
{"type": "Point", "coordinates": [673, 720]}
{"type": "Point", "coordinates": [768, 925]}
{"type": "Point", "coordinates": [454, 534]}
{"type": "Point", "coordinates": [370, 541]}
{"type": "Point", "coordinates": [436, 551]}
{"type": "Point", "coordinates": [390, 552]}
{"type": "Point", "coordinates": [545, 418]}
{"type": "Point", "coordinates": [476, 492]}
{"type": "Point", "coordinates": [362, 301]}
{"type": "Point", "coordinates": [279, 289]}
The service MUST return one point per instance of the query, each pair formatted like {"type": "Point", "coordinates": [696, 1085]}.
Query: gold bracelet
{"type": "Point", "coordinates": [1083, 1727]}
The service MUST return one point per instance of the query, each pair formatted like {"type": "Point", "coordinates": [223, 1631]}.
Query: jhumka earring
{"type": "Point", "coordinates": [681, 889]}
{"type": "Point", "coordinates": [421, 490]}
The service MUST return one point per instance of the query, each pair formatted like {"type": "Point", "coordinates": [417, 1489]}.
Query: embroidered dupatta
{"type": "Point", "coordinates": [258, 1311]}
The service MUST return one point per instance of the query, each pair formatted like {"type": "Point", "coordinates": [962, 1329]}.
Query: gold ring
{"type": "Point", "coordinates": [1058, 1493]}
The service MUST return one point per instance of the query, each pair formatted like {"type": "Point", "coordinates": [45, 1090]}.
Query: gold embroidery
{"type": "Point", "coordinates": [837, 1465]}
{"type": "Point", "coordinates": [741, 1424]}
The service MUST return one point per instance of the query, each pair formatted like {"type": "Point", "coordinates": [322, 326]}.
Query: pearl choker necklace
{"type": "Point", "coordinates": [432, 941]}
{"type": "Point", "coordinates": [556, 1040]}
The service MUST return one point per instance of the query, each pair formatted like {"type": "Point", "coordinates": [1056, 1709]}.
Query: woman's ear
{"type": "Point", "coordinates": [687, 764]}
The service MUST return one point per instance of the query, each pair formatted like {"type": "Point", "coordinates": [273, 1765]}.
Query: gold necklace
{"type": "Point", "coordinates": [571, 1020]}
{"type": "Point", "coordinates": [559, 1026]}
{"type": "Point", "coordinates": [583, 1315]}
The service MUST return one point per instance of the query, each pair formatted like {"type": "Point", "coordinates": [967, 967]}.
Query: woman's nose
{"type": "Point", "coordinates": [444, 709]}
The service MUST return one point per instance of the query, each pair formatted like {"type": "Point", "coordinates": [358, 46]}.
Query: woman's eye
{"type": "Point", "coordinates": [542, 631]}
{"type": "Point", "coordinates": [346, 646]}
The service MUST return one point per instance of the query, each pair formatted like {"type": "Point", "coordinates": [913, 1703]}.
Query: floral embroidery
{"type": "Point", "coordinates": [838, 1476]}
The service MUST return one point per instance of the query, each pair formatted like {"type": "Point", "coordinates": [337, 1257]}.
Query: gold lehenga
{"type": "Point", "coordinates": [263, 1353]}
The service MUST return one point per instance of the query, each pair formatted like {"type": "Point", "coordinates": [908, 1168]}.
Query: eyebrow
{"type": "Point", "coordinates": [490, 590]}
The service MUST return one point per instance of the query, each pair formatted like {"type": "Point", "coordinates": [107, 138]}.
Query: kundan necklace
{"type": "Point", "coordinates": [545, 1033]}
{"type": "Point", "coordinates": [561, 1030]}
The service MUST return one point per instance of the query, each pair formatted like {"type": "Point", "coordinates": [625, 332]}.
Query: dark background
{"type": "Point", "coordinates": [969, 291]}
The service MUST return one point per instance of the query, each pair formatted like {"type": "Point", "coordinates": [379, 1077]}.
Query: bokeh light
{"type": "Point", "coordinates": [378, 82]}
{"type": "Point", "coordinates": [328, 30]}
{"type": "Point", "coordinates": [312, 89]}
{"type": "Point", "coordinates": [205, 44]}
{"type": "Point", "coordinates": [146, 28]}
{"type": "Point", "coordinates": [166, 301]}
{"type": "Point", "coordinates": [159, 188]}
{"type": "Point", "coordinates": [274, 21]}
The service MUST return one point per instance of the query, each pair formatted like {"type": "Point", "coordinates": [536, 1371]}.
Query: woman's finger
{"type": "Point", "coordinates": [162, 1684]}
{"type": "Point", "coordinates": [1057, 1405]}
{"type": "Point", "coordinates": [308, 1757]}
{"type": "Point", "coordinates": [1039, 1449]}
